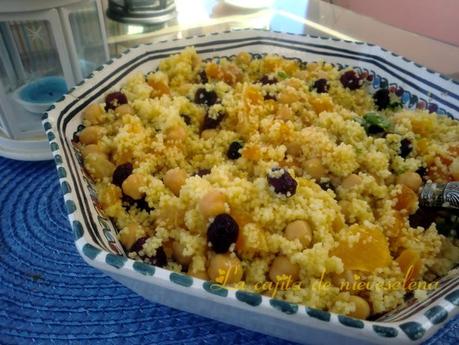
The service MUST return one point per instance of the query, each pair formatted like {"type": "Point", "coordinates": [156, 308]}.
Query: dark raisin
{"type": "Point", "coordinates": [203, 77]}
{"type": "Point", "coordinates": [408, 296]}
{"type": "Point", "coordinates": [422, 171]}
{"type": "Point", "coordinates": [160, 258]}
{"type": "Point", "coordinates": [138, 245]}
{"type": "Point", "coordinates": [321, 86]}
{"type": "Point", "coordinates": [121, 173]}
{"type": "Point", "coordinates": [203, 172]}
{"type": "Point", "coordinates": [423, 217]}
{"type": "Point", "coordinates": [142, 204]}
{"type": "Point", "coordinates": [351, 80]}
{"type": "Point", "coordinates": [76, 137]}
{"type": "Point", "coordinates": [267, 80]}
{"type": "Point", "coordinates": [127, 201]}
{"type": "Point", "coordinates": [269, 97]}
{"type": "Point", "coordinates": [282, 182]}
{"type": "Point", "coordinates": [233, 150]}
{"type": "Point", "coordinates": [375, 129]}
{"type": "Point", "coordinates": [202, 96]}
{"type": "Point", "coordinates": [222, 232]}
{"type": "Point", "coordinates": [186, 119]}
{"type": "Point", "coordinates": [405, 147]}
{"type": "Point", "coordinates": [115, 99]}
{"type": "Point", "coordinates": [211, 123]}
{"type": "Point", "coordinates": [381, 99]}
{"type": "Point", "coordinates": [326, 186]}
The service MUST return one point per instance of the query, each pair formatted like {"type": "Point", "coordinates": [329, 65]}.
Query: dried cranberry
{"type": "Point", "coordinates": [351, 80]}
{"type": "Point", "coordinates": [211, 123]}
{"type": "Point", "coordinates": [115, 99]}
{"type": "Point", "coordinates": [121, 173]}
{"type": "Point", "coordinates": [282, 182]}
{"type": "Point", "coordinates": [202, 96]}
{"type": "Point", "coordinates": [267, 80]}
{"type": "Point", "coordinates": [405, 147]}
{"type": "Point", "coordinates": [222, 232]}
{"type": "Point", "coordinates": [233, 150]}
{"type": "Point", "coordinates": [321, 85]}
{"type": "Point", "coordinates": [381, 99]}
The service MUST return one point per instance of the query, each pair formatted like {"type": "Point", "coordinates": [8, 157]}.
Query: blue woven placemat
{"type": "Point", "coordinates": [49, 295]}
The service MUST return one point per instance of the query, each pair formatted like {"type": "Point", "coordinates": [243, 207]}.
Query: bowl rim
{"type": "Point", "coordinates": [416, 327]}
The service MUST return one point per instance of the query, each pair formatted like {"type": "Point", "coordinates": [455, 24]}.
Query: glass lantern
{"type": "Point", "coordinates": [46, 47]}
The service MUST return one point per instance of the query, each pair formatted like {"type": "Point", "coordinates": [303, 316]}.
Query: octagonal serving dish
{"type": "Point", "coordinates": [96, 237]}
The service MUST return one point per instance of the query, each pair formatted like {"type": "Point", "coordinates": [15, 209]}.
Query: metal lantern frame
{"type": "Point", "coordinates": [57, 14]}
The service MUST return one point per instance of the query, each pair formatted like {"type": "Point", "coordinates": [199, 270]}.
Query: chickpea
{"type": "Point", "coordinates": [281, 265]}
{"type": "Point", "coordinates": [212, 203]}
{"type": "Point", "coordinates": [91, 135]}
{"type": "Point", "coordinates": [124, 109]}
{"type": "Point", "coordinates": [301, 230]}
{"type": "Point", "coordinates": [178, 249]}
{"type": "Point", "coordinates": [343, 280]}
{"type": "Point", "coordinates": [208, 133]}
{"type": "Point", "coordinates": [227, 263]}
{"type": "Point", "coordinates": [351, 181]}
{"type": "Point", "coordinates": [284, 112]}
{"type": "Point", "coordinates": [411, 180]}
{"type": "Point", "coordinates": [93, 114]}
{"type": "Point", "coordinates": [243, 58]}
{"type": "Point", "coordinates": [92, 148]}
{"type": "Point", "coordinates": [99, 166]}
{"type": "Point", "coordinates": [174, 179]}
{"type": "Point", "coordinates": [177, 133]}
{"type": "Point", "coordinates": [362, 308]}
{"type": "Point", "coordinates": [314, 168]}
{"type": "Point", "coordinates": [294, 149]}
{"type": "Point", "coordinates": [131, 186]}
{"type": "Point", "coordinates": [287, 97]}
{"type": "Point", "coordinates": [109, 196]}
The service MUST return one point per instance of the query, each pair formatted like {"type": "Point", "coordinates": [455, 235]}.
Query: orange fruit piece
{"type": "Point", "coordinates": [369, 252]}
{"type": "Point", "coordinates": [410, 263]}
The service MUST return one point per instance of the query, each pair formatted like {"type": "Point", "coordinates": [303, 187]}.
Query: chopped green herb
{"type": "Point", "coordinates": [374, 121]}
{"type": "Point", "coordinates": [282, 75]}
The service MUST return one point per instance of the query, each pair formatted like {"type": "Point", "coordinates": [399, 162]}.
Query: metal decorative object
{"type": "Point", "coordinates": [440, 195]}
{"type": "Point", "coordinates": [141, 12]}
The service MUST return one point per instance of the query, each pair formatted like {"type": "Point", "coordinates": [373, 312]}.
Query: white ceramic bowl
{"type": "Point", "coordinates": [95, 236]}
